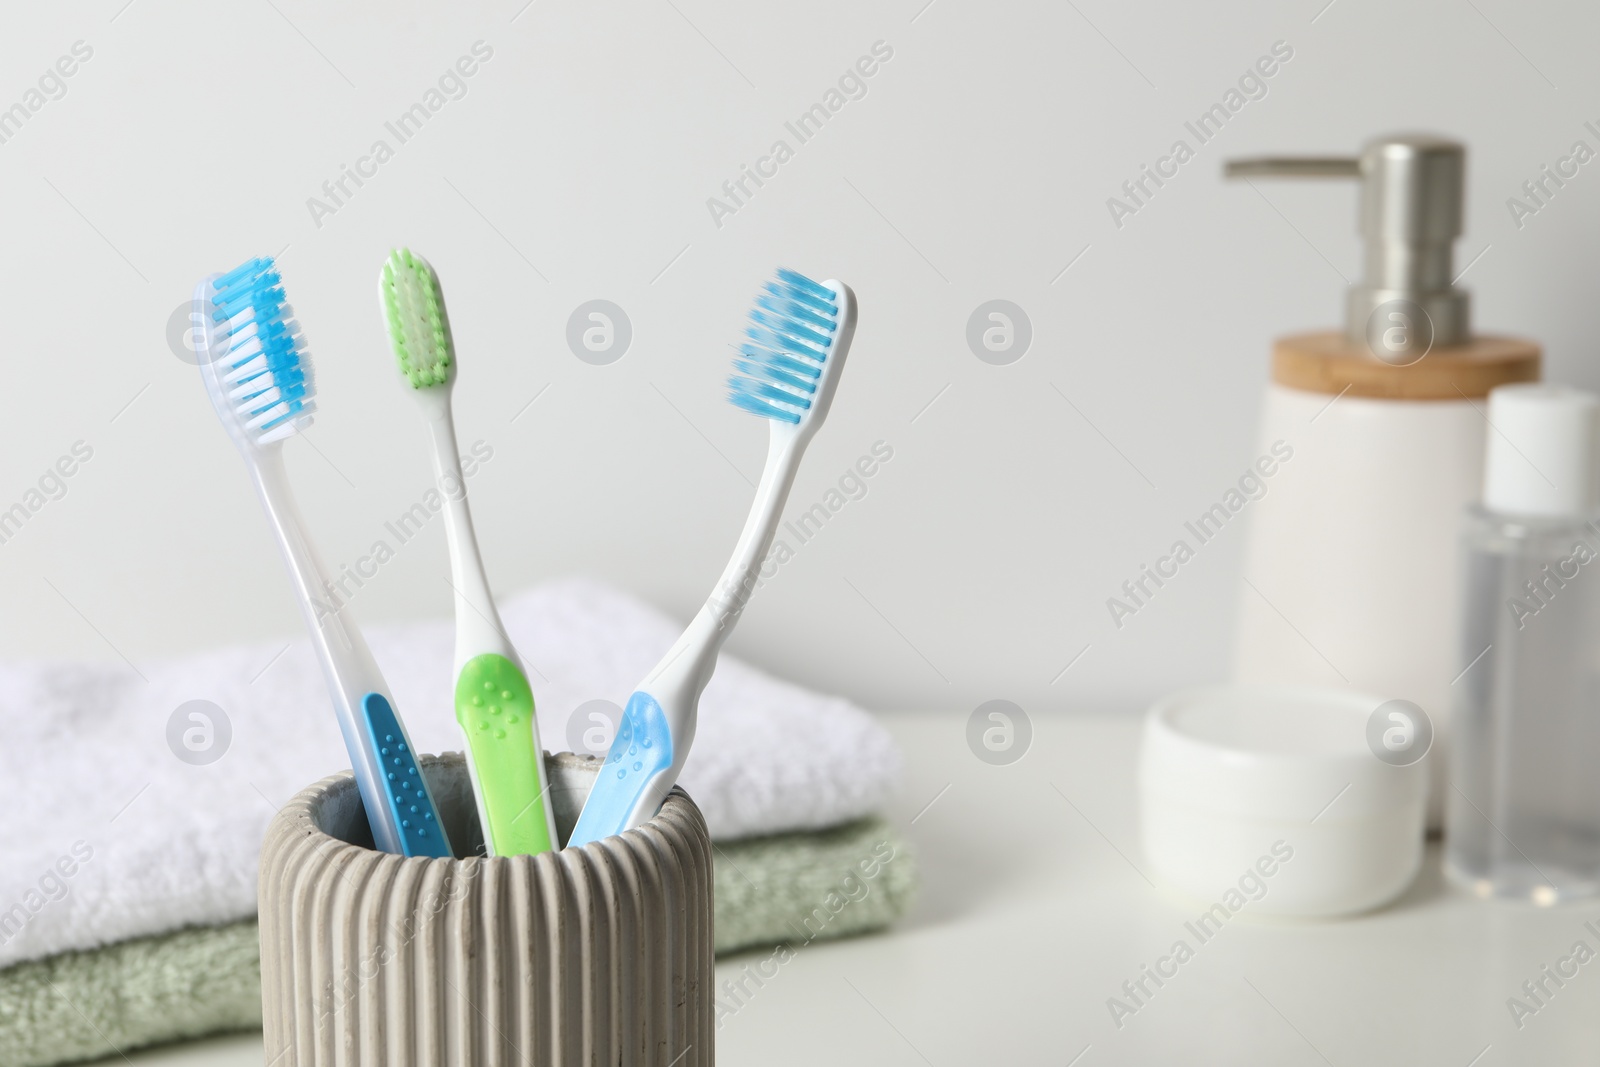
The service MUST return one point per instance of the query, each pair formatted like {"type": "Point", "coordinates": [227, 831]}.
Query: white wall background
{"type": "Point", "coordinates": [578, 166]}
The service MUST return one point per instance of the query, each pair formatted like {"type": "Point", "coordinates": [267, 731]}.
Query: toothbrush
{"type": "Point", "coordinates": [788, 368]}
{"type": "Point", "coordinates": [257, 373]}
{"type": "Point", "coordinates": [494, 703]}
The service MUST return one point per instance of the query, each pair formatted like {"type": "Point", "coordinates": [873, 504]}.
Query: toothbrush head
{"type": "Point", "coordinates": [794, 349]}
{"type": "Point", "coordinates": [254, 360]}
{"type": "Point", "coordinates": [419, 329]}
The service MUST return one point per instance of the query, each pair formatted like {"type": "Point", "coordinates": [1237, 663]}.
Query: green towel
{"type": "Point", "coordinates": [80, 1005]}
{"type": "Point", "coordinates": [798, 888]}
{"type": "Point", "coordinates": [787, 889]}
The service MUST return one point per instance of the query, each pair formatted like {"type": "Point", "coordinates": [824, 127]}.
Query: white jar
{"type": "Point", "coordinates": [1270, 802]}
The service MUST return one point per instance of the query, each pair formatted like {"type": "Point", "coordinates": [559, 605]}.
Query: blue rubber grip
{"type": "Point", "coordinates": [410, 803]}
{"type": "Point", "coordinates": [641, 751]}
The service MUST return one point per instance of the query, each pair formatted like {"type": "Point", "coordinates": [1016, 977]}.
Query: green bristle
{"type": "Point", "coordinates": [414, 307]}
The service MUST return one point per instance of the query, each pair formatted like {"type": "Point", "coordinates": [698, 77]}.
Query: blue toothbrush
{"type": "Point", "coordinates": [787, 370]}
{"type": "Point", "coordinates": [257, 373]}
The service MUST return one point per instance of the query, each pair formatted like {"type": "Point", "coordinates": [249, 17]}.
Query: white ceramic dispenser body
{"type": "Point", "coordinates": [1351, 562]}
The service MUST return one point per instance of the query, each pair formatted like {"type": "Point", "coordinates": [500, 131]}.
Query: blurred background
{"type": "Point", "coordinates": [584, 159]}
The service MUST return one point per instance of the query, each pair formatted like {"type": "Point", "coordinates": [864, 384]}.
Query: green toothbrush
{"type": "Point", "coordinates": [494, 703]}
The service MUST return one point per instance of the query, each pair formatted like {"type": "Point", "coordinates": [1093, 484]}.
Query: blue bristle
{"type": "Point", "coordinates": [794, 310]}
{"type": "Point", "coordinates": [780, 365]}
{"type": "Point", "coordinates": [256, 287]}
{"type": "Point", "coordinates": [248, 268]}
{"type": "Point", "coordinates": [789, 326]}
{"type": "Point", "coordinates": [801, 284]}
{"type": "Point", "coordinates": [782, 362]}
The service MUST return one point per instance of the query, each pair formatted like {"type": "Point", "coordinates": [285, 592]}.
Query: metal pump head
{"type": "Point", "coordinates": [1411, 196]}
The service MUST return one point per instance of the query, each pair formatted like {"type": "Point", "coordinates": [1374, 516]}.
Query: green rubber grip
{"type": "Point", "coordinates": [494, 706]}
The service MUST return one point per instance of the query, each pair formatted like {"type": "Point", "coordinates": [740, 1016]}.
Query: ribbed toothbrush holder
{"type": "Point", "coordinates": [594, 955]}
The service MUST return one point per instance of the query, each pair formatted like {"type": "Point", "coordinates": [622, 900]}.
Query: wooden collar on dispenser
{"type": "Point", "coordinates": [1329, 363]}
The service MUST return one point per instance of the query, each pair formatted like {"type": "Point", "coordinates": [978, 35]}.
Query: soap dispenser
{"type": "Point", "coordinates": [1351, 561]}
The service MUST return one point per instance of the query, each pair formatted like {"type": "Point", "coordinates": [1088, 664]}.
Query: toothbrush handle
{"type": "Point", "coordinates": [494, 703]}
{"type": "Point", "coordinates": [772, 491]}
{"type": "Point", "coordinates": [658, 725]}
{"type": "Point", "coordinates": [393, 792]}
{"type": "Point", "coordinates": [684, 672]}
{"type": "Point", "coordinates": [478, 625]}
{"type": "Point", "coordinates": [494, 708]}
{"type": "Point", "coordinates": [406, 800]}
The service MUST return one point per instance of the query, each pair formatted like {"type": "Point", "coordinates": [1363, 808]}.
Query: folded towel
{"type": "Point", "coordinates": [171, 987]}
{"type": "Point", "coordinates": [109, 836]}
{"type": "Point", "coordinates": [789, 889]}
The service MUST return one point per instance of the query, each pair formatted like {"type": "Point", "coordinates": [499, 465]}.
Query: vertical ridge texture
{"type": "Point", "coordinates": [598, 955]}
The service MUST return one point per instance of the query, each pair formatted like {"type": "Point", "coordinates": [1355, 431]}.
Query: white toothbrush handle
{"type": "Point", "coordinates": [347, 664]}
{"type": "Point", "coordinates": [480, 633]}
{"type": "Point", "coordinates": [478, 625]}
{"type": "Point", "coordinates": [665, 706]}
{"type": "Point", "coordinates": [784, 448]}
{"type": "Point", "coordinates": [685, 671]}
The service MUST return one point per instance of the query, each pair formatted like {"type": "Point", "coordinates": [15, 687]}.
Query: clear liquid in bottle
{"type": "Point", "coordinates": [1523, 801]}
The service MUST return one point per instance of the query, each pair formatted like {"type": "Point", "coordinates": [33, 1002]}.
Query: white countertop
{"type": "Point", "coordinates": [1033, 914]}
